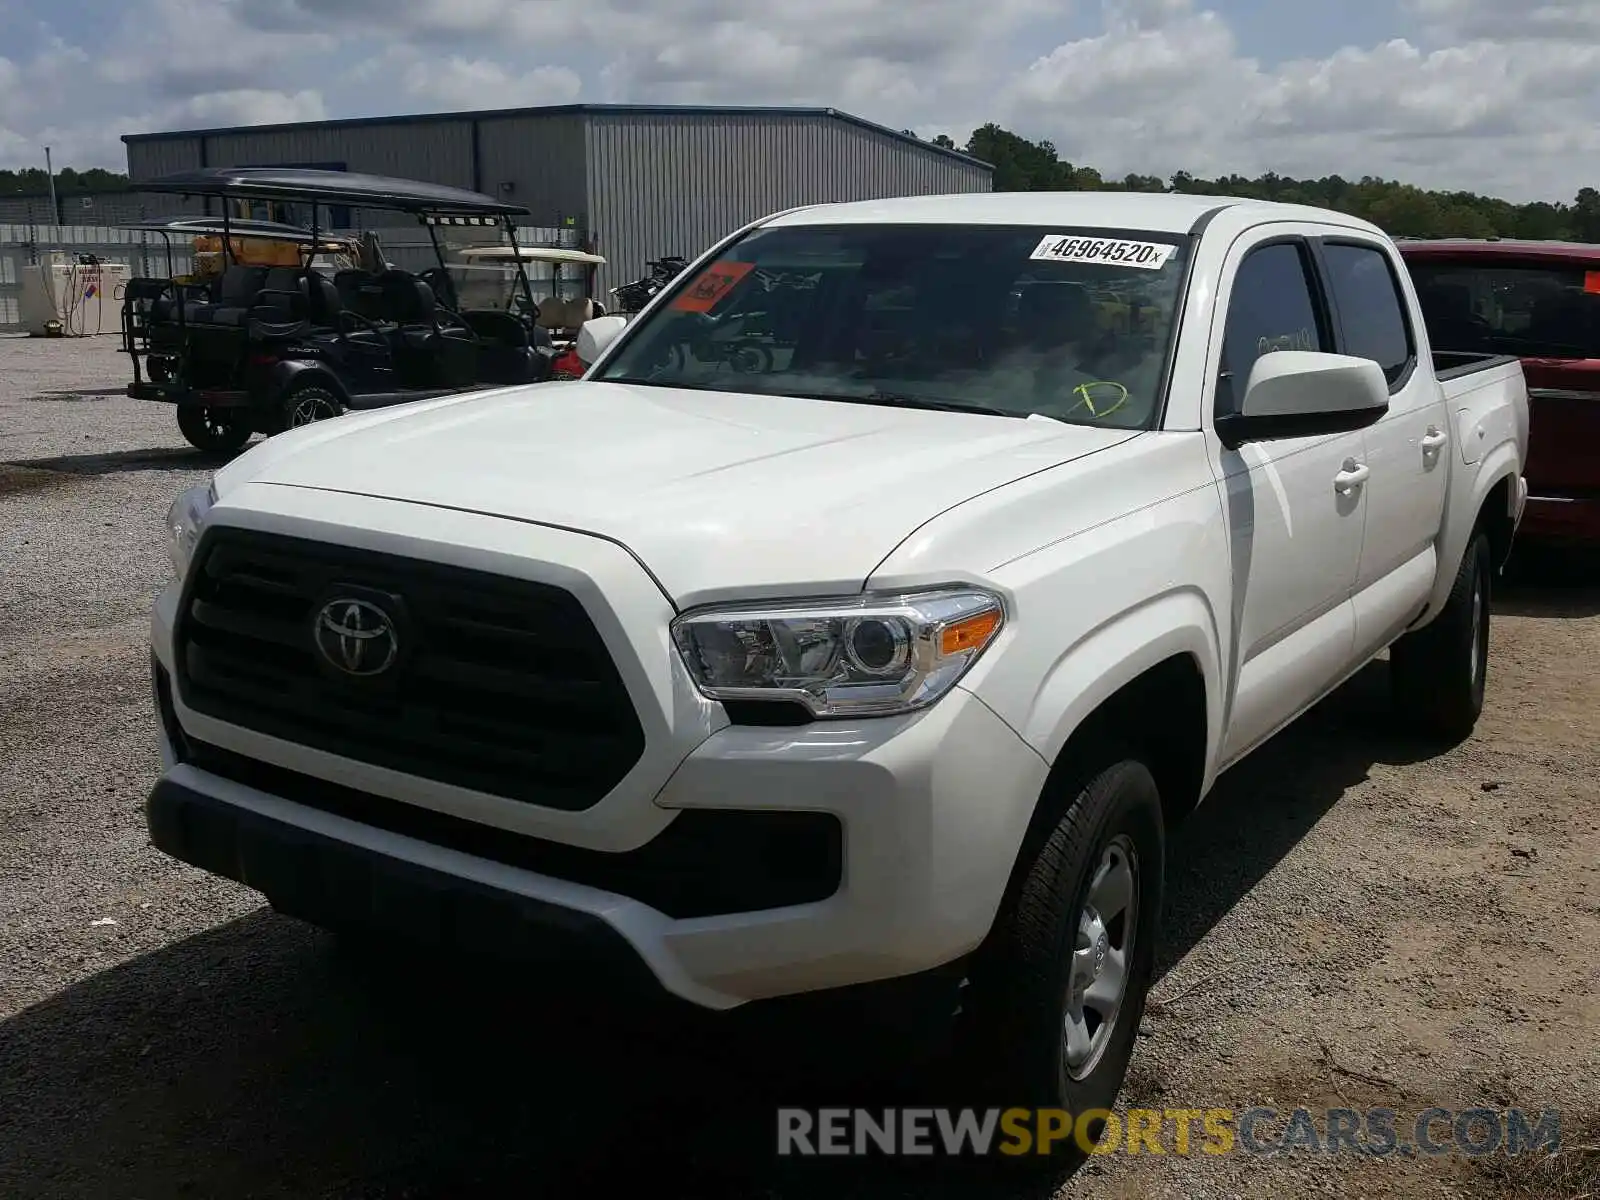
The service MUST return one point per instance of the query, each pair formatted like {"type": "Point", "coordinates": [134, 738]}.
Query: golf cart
{"type": "Point", "coordinates": [149, 328]}
{"type": "Point", "coordinates": [262, 349]}
{"type": "Point", "coordinates": [487, 277]}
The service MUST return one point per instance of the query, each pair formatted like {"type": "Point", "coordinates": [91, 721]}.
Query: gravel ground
{"type": "Point", "coordinates": [1349, 923]}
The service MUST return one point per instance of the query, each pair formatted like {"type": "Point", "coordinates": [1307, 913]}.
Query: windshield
{"type": "Point", "coordinates": [1534, 310]}
{"type": "Point", "coordinates": [487, 283]}
{"type": "Point", "coordinates": [1067, 323]}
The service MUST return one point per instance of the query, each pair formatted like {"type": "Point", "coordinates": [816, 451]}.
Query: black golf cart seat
{"type": "Point", "coordinates": [242, 293]}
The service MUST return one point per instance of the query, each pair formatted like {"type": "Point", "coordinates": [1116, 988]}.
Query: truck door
{"type": "Point", "coordinates": [1406, 450]}
{"type": "Point", "coordinates": [1294, 506]}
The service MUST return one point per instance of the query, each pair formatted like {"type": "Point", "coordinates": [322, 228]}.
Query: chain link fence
{"type": "Point", "coordinates": [25, 246]}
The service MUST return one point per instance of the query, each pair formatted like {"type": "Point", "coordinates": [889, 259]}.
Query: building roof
{"type": "Point", "coordinates": [667, 110]}
{"type": "Point", "coordinates": [1158, 212]}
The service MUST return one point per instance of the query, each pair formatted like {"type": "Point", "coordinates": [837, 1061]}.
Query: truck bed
{"type": "Point", "coordinates": [1454, 364]}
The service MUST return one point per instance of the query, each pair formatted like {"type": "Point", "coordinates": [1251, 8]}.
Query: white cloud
{"type": "Point", "coordinates": [188, 48]}
{"type": "Point", "coordinates": [245, 106]}
{"type": "Point", "coordinates": [1553, 20]}
{"type": "Point", "coordinates": [1179, 94]}
{"type": "Point", "coordinates": [463, 83]}
{"type": "Point", "coordinates": [1475, 95]}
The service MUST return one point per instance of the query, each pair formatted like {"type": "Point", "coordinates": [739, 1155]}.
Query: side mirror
{"type": "Point", "coordinates": [1303, 393]}
{"type": "Point", "coordinates": [595, 335]}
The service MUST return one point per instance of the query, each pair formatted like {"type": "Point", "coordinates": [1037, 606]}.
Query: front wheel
{"type": "Point", "coordinates": [1057, 994]}
{"type": "Point", "coordinates": [307, 404]}
{"type": "Point", "coordinates": [1438, 672]}
{"type": "Point", "coordinates": [214, 430]}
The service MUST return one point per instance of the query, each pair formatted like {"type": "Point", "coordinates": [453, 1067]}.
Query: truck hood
{"type": "Point", "coordinates": [718, 494]}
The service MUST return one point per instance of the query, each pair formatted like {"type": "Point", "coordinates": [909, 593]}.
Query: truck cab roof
{"type": "Point", "coordinates": [1161, 212]}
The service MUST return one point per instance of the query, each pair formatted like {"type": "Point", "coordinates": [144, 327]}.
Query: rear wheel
{"type": "Point", "coordinates": [307, 404]}
{"type": "Point", "coordinates": [1438, 672]}
{"type": "Point", "coordinates": [214, 430]}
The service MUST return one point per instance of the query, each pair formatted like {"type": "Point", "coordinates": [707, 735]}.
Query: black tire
{"type": "Point", "coordinates": [306, 404]}
{"type": "Point", "coordinates": [1437, 674]}
{"type": "Point", "coordinates": [214, 430]}
{"type": "Point", "coordinates": [1012, 1034]}
{"type": "Point", "coordinates": [159, 369]}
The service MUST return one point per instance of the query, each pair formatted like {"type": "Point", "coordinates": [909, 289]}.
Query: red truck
{"type": "Point", "coordinates": [1541, 302]}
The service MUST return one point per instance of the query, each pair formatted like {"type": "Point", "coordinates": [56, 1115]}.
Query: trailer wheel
{"type": "Point", "coordinates": [214, 430]}
{"type": "Point", "coordinates": [307, 404]}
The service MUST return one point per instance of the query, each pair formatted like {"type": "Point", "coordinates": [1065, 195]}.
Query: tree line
{"type": "Point", "coordinates": [32, 181]}
{"type": "Point", "coordinates": [1400, 209]}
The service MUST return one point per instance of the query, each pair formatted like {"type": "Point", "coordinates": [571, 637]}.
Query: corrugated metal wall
{"type": "Point", "coordinates": [542, 158]}
{"type": "Point", "coordinates": [433, 151]}
{"type": "Point", "coordinates": [163, 156]}
{"type": "Point", "coordinates": [674, 184]}
{"type": "Point", "coordinates": [167, 156]}
{"type": "Point", "coordinates": [91, 208]}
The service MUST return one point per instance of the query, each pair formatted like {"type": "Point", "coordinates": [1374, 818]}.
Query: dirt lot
{"type": "Point", "coordinates": [1349, 923]}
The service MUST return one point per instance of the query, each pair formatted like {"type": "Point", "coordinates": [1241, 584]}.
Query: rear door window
{"type": "Point", "coordinates": [1532, 311]}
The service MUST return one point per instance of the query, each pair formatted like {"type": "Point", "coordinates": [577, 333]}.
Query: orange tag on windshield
{"type": "Point", "coordinates": [1591, 282]}
{"type": "Point", "coordinates": [715, 282]}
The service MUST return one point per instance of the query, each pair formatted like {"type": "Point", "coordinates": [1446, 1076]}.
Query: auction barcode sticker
{"type": "Point", "coordinates": [1147, 256]}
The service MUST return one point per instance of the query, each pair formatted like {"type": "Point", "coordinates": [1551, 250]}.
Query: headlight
{"type": "Point", "coordinates": [867, 656]}
{"type": "Point", "coordinates": [185, 519]}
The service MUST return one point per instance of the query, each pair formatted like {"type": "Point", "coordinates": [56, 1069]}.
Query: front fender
{"type": "Point", "coordinates": [1113, 655]}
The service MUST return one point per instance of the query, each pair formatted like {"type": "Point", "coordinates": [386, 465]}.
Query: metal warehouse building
{"type": "Point", "coordinates": [637, 183]}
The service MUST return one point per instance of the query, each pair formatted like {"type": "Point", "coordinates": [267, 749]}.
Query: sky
{"type": "Point", "coordinates": [1468, 94]}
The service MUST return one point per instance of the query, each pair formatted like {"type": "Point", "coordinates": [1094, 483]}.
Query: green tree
{"type": "Point", "coordinates": [1403, 210]}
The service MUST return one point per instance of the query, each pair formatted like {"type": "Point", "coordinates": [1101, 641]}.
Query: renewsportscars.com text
{"type": "Point", "coordinates": [1376, 1132]}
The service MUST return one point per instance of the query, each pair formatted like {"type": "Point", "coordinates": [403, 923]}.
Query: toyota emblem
{"type": "Point", "coordinates": [356, 637]}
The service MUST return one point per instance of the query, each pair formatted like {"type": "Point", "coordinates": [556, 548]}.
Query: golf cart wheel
{"type": "Point", "coordinates": [307, 404]}
{"type": "Point", "coordinates": [751, 360]}
{"type": "Point", "coordinates": [160, 369]}
{"type": "Point", "coordinates": [214, 430]}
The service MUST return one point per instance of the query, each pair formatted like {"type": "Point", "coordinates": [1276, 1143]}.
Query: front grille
{"type": "Point", "coordinates": [496, 684]}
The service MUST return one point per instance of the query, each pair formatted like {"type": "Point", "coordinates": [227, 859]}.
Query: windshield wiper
{"type": "Point", "coordinates": [888, 399]}
{"type": "Point", "coordinates": [905, 400]}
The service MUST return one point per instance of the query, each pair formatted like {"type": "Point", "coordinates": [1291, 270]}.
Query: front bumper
{"type": "Point", "coordinates": [932, 807]}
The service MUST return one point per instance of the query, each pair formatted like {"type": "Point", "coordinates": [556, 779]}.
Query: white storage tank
{"type": "Point", "coordinates": [72, 296]}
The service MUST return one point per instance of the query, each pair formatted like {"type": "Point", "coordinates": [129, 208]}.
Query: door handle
{"type": "Point", "coordinates": [1434, 440]}
{"type": "Point", "coordinates": [1352, 476]}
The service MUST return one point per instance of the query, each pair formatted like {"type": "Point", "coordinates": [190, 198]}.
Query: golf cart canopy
{"type": "Point", "coordinates": [545, 254]}
{"type": "Point", "coordinates": [329, 187]}
{"type": "Point", "coordinates": [267, 231]}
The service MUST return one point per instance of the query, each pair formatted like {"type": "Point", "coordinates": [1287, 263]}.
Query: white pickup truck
{"type": "Point", "coordinates": [861, 621]}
